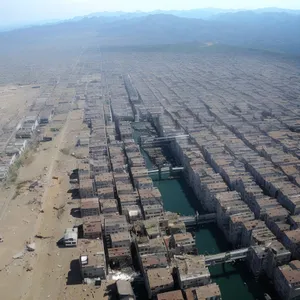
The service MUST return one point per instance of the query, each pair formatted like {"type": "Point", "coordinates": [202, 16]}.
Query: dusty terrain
{"type": "Point", "coordinates": [46, 212]}
{"type": "Point", "coordinates": [14, 101]}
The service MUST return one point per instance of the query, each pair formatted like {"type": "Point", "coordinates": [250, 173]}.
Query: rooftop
{"type": "Point", "coordinates": [149, 261]}
{"type": "Point", "coordinates": [203, 292]}
{"type": "Point", "coordinates": [89, 203]}
{"type": "Point", "coordinates": [159, 277]}
{"type": "Point", "coordinates": [120, 236]}
{"type": "Point", "coordinates": [173, 295]}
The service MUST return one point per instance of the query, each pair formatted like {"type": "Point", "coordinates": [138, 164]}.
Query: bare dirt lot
{"type": "Point", "coordinates": [44, 211]}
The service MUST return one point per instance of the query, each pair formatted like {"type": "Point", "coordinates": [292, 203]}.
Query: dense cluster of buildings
{"type": "Point", "coordinates": [241, 160]}
{"type": "Point", "coordinates": [239, 157]}
{"type": "Point", "coordinates": [123, 220]}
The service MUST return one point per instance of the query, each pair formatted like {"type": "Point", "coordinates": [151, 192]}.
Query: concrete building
{"type": "Point", "coordinates": [115, 224]}
{"type": "Point", "coordinates": [153, 211]}
{"type": "Point", "coordinates": [294, 221]}
{"type": "Point", "coordinates": [104, 180]}
{"type": "Point", "coordinates": [128, 199]}
{"type": "Point", "coordinates": [143, 183]}
{"type": "Point", "coordinates": [70, 237]}
{"type": "Point", "coordinates": [182, 243]}
{"type": "Point", "coordinates": [120, 239]}
{"type": "Point", "coordinates": [89, 207]}
{"type": "Point", "coordinates": [124, 290]}
{"type": "Point", "coordinates": [119, 257]}
{"type": "Point", "coordinates": [153, 261]}
{"type": "Point", "coordinates": [132, 212]}
{"type": "Point", "coordinates": [206, 292]}
{"type": "Point", "coordinates": [291, 240]}
{"type": "Point", "coordinates": [92, 259]}
{"type": "Point", "coordinates": [191, 271]}
{"type": "Point", "coordinates": [256, 233]}
{"type": "Point", "coordinates": [153, 246]}
{"type": "Point", "coordinates": [287, 281]}
{"type": "Point", "coordinates": [173, 295]}
{"type": "Point", "coordinates": [278, 255]}
{"type": "Point", "coordinates": [106, 192]}
{"type": "Point", "coordinates": [158, 281]}
{"type": "Point", "coordinates": [108, 206]}
{"type": "Point", "coordinates": [92, 227]}
{"type": "Point", "coordinates": [86, 188]}
{"type": "Point", "coordinates": [150, 196]}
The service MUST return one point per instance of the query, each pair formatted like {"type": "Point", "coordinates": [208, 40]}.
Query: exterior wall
{"type": "Point", "coordinates": [93, 272]}
{"type": "Point", "coordinates": [86, 193]}
{"type": "Point", "coordinates": [280, 285]}
{"type": "Point", "coordinates": [90, 212]}
{"type": "Point", "coordinates": [125, 243]}
{"type": "Point", "coordinates": [193, 282]}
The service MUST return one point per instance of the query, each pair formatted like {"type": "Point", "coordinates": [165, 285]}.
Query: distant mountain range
{"type": "Point", "coordinates": [203, 13]}
{"type": "Point", "coordinates": [268, 29]}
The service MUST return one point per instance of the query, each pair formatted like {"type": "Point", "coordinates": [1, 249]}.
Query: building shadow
{"type": "Point", "coordinates": [74, 193]}
{"type": "Point", "coordinates": [74, 174]}
{"type": "Point", "coordinates": [60, 243]}
{"type": "Point", "coordinates": [74, 276]}
{"type": "Point", "coordinates": [111, 292]}
{"type": "Point", "coordinates": [80, 231]}
{"type": "Point", "coordinates": [75, 213]}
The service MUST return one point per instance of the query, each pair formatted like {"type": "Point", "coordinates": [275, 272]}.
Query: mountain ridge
{"type": "Point", "coordinates": [273, 31]}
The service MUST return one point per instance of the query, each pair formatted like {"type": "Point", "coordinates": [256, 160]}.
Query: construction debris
{"type": "Point", "coordinates": [31, 247]}
{"type": "Point", "coordinates": [43, 237]}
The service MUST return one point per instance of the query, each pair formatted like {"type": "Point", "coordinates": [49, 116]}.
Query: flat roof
{"type": "Point", "coordinates": [118, 251]}
{"type": "Point", "coordinates": [159, 276]}
{"type": "Point", "coordinates": [120, 236]}
{"type": "Point", "coordinates": [173, 295]}
{"type": "Point", "coordinates": [92, 227]}
{"type": "Point", "coordinates": [154, 260]}
{"type": "Point", "coordinates": [89, 203]}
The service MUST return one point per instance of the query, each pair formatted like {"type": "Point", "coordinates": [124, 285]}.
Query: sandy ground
{"type": "Point", "coordinates": [14, 101]}
{"type": "Point", "coordinates": [47, 272]}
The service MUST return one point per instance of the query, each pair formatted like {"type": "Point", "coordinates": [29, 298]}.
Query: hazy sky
{"type": "Point", "coordinates": [17, 11]}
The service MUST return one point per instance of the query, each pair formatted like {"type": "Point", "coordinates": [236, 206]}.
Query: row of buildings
{"type": "Point", "coordinates": [124, 222]}
{"type": "Point", "coordinates": [16, 136]}
{"type": "Point", "coordinates": [240, 162]}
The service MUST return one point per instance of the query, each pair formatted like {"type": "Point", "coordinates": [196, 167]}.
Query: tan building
{"type": "Point", "coordinates": [206, 292]}
{"type": "Point", "coordinates": [108, 206]}
{"type": "Point", "coordinates": [124, 290]}
{"type": "Point", "coordinates": [287, 280]}
{"type": "Point", "coordinates": [291, 240]}
{"type": "Point", "coordinates": [89, 207]}
{"type": "Point", "coordinates": [143, 183]}
{"type": "Point", "coordinates": [115, 224]}
{"type": "Point", "coordinates": [92, 259]}
{"type": "Point", "coordinates": [150, 196]}
{"type": "Point", "coordinates": [92, 227]}
{"type": "Point", "coordinates": [86, 188]}
{"type": "Point", "coordinates": [173, 295]}
{"type": "Point", "coordinates": [182, 243]}
{"type": "Point", "coordinates": [119, 257]}
{"type": "Point", "coordinates": [158, 281]}
{"type": "Point", "coordinates": [120, 239]}
{"type": "Point", "coordinates": [106, 192]}
{"type": "Point", "coordinates": [153, 261]}
{"type": "Point", "coordinates": [191, 271]}
{"type": "Point", "coordinates": [128, 199]}
{"type": "Point", "coordinates": [153, 211]}
{"type": "Point", "coordinates": [104, 180]}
